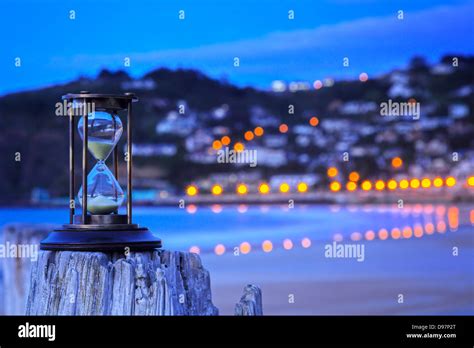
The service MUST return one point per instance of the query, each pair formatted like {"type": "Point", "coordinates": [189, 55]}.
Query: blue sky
{"type": "Point", "coordinates": [55, 49]}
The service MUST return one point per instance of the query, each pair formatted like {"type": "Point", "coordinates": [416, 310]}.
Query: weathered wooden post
{"type": "Point", "coordinates": [21, 246]}
{"type": "Point", "coordinates": [142, 283]}
{"type": "Point", "coordinates": [251, 302]}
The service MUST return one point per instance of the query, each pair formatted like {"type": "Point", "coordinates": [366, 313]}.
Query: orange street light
{"type": "Point", "coordinates": [450, 181]}
{"type": "Point", "coordinates": [366, 185]}
{"type": "Point", "coordinates": [302, 187]}
{"type": "Point", "coordinates": [426, 183]}
{"type": "Point", "coordinates": [379, 185]}
{"type": "Point", "coordinates": [392, 184]}
{"type": "Point", "coordinates": [438, 182]}
{"type": "Point", "coordinates": [191, 190]}
{"type": "Point", "coordinates": [216, 190]}
{"type": "Point", "coordinates": [284, 187]}
{"type": "Point", "coordinates": [351, 186]}
{"type": "Point", "coordinates": [354, 176]}
{"type": "Point", "coordinates": [258, 131]}
{"type": "Point", "coordinates": [225, 140]}
{"type": "Point", "coordinates": [264, 188]}
{"type": "Point", "coordinates": [242, 189]}
{"type": "Point", "coordinates": [248, 135]}
{"type": "Point", "coordinates": [314, 121]}
{"type": "Point", "coordinates": [397, 162]}
{"type": "Point", "coordinates": [335, 186]}
{"type": "Point", "coordinates": [414, 183]}
{"type": "Point", "coordinates": [404, 184]}
{"type": "Point", "coordinates": [332, 172]}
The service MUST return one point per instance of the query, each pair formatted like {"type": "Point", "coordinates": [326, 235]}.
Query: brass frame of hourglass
{"type": "Point", "coordinates": [92, 232]}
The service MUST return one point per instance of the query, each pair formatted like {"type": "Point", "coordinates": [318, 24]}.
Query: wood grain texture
{"type": "Point", "coordinates": [141, 283]}
{"type": "Point", "coordinates": [15, 269]}
{"type": "Point", "coordinates": [251, 302]}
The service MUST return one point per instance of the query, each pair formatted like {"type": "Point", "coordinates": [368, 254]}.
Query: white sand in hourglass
{"type": "Point", "coordinates": [101, 205]}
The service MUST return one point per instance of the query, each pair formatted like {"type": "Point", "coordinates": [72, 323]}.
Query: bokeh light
{"type": "Point", "coordinates": [314, 121]}
{"type": "Point", "coordinates": [429, 228]}
{"type": "Point", "coordinates": [264, 188]}
{"type": "Point", "coordinates": [453, 218]}
{"type": "Point", "coordinates": [245, 247]}
{"type": "Point", "coordinates": [438, 182]}
{"type": "Point", "coordinates": [407, 232]}
{"type": "Point", "coordinates": [383, 234]}
{"type": "Point", "coordinates": [351, 186]}
{"type": "Point", "coordinates": [248, 135]}
{"type": "Point", "coordinates": [191, 208]}
{"type": "Point", "coordinates": [302, 187]}
{"type": "Point", "coordinates": [191, 190]}
{"type": "Point", "coordinates": [366, 185]}
{"type": "Point", "coordinates": [242, 208]}
{"type": "Point", "coordinates": [332, 172]}
{"type": "Point", "coordinates": [283, 128]}
{"type": "Point", "coordinates": [239, 147]}
{"type": "Point", "coordinates": [258, 131]}
{"type": "Point", "coordinates": [306, 243]}
{"type": "Point", "coordinates": [426, 183]}
{"type": "Point", "coordinates": [216, 208]}
{"type": "Point", "coordinates": [219, 249]}
{"type": "Point", "coordinates": [356, 236]}
{"type": "Point", "coordinates": [370, 235]}
{"type": "Point", "coordinates": [216, 145]}
{"type": "Point", "coordinates": [267, 246]}
{"type": "Point", "coordinates": [414, 183]}
{"type": "Point", "coordinates": [450, 181]}
{"type": "Point", "coordinates": [470, 181]}
{"type": "Point", "coordinates": [284, 187]}
{"type": "Point", "coordinates": [287, 244]}
{"type": "Point", "coordinates": [317, 84]}
{"type": "Point", "coordinates": [195, 249]}
{"type": "Point", "coordinates": [396, 233]}
{"type": "Point", "coordinates": [225, 140]}
{"type": "Point", "coordinates": [441, 226]}
{"type": "Point", "coordinates": [392, 184]}
{"type": "Point", "coordinates": [242, 189]}
{"type": "Point", "coordinates": [379, 185]}
{"type": "Point", "coordinates": [354, 176]}
{"type": "Point", "coordinates": [418, 230]}
{"type": "Point", "coordinates": [397, 162]}
{"type": "Point", "coordinates": [216, 190]}
{"type": "Point", "coordinates": [335, 186]}
{"type": "Point", "coordinates": [404, 184]}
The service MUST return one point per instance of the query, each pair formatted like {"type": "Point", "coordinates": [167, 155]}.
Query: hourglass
{"type": "Point", "coordinates": [104, 194]}
{"type": "Point", "coordinates": [100, 226]}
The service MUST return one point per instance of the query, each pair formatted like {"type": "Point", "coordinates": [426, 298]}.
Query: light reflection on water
{"type": "Point", "coordinates": [220, 229]}
{"type": "Point", "coordinates": [282, 250]}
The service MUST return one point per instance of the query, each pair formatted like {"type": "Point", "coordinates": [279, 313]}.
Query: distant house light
{"type": "Point", "coordinates": [278, 86]}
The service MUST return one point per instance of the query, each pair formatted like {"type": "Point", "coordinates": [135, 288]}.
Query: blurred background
{"type": "Point", "coordinates": [299, 84]}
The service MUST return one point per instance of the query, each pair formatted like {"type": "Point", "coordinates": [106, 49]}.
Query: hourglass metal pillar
{"type": "Point", "coordinates": [100, 226]}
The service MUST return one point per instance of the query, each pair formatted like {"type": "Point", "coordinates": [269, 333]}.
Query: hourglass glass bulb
{"type": "Point", "coordinates": [104, 131]}
{"type": "Point", "coordinates": [104, 194]}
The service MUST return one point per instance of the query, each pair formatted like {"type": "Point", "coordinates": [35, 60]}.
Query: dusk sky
{"type": "Point", "coordinates": [55, 49]}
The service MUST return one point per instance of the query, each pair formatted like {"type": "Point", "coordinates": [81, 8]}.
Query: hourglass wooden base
{"type": "Point", "coordinates": [101, 233]}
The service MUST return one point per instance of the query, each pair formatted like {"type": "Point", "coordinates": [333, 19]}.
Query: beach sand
{"type": "Point", "coordinates": [431, 280]}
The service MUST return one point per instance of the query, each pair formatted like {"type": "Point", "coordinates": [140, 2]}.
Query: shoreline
{"type": "Point", "coordinates": [276, 199]}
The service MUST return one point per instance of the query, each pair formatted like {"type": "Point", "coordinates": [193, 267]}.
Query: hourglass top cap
{"type": "Point", "coordinates": [114, 102]}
